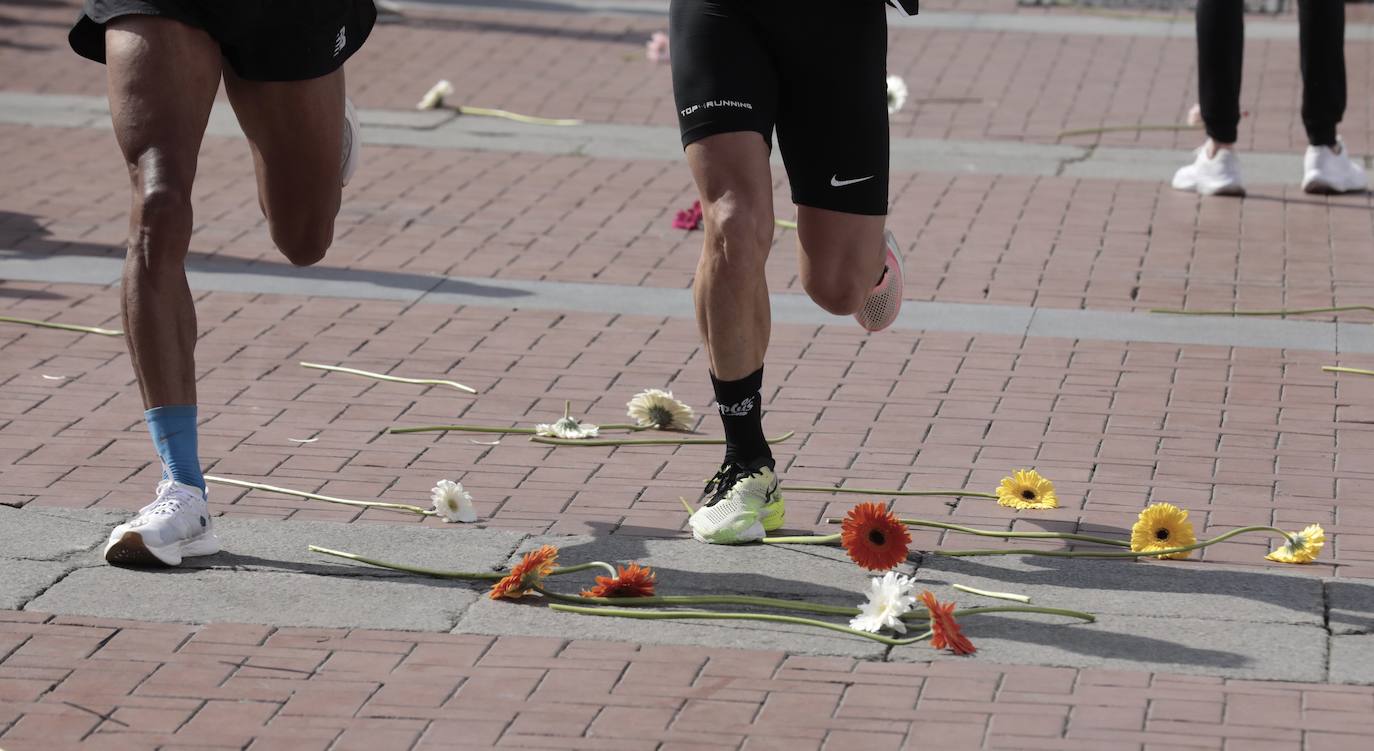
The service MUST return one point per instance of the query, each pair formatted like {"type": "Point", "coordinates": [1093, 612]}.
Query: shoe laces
{"type": "Point", "coordinates": [170, 500]}
{"type": "Point", "coordinates": [729, 475]}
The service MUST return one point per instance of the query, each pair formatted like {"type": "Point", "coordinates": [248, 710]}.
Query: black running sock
{"type": "Point", "coordinates": [741, 412]}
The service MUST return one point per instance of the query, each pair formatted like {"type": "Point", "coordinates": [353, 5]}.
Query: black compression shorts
{"type": "Point", "coordinates": [262, 40]}
{"type": "Point", "coordinates": [814, 69]}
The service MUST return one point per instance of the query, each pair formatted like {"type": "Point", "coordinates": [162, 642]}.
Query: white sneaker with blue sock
{"type": "Point", "coordinates": [176, 525]}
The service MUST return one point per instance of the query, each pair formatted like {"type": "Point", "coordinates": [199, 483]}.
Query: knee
{"type": "Point", "coordinates": [838, 293]}
{"type": "Point", "coordinates": [739, 232]}
{"type": "Point", "coordinates": [161, 228]}
{"type": "Point", "coordinates": [303, 243]}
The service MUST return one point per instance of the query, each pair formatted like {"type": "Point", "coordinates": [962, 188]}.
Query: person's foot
{"type": "Point", "coordinates": [1328, 170]}
{"type": "Point", "coordinates": [352, 142]}
{"type": "Point", "coordinates": [1214, 172]}
{"type": "Point", "coordinates": [175, 525]}
{"type": "Point", "coordinates": [885, 300]}
{"type": "Point", "coordinates": [740, 504]}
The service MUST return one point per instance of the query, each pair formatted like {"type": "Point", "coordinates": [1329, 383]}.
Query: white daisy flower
{"type": "Point", "coordinates": [434, 98]}
{"type": "Point", "coordinates": [889, 597]}
{"type": "Point", "coordinates": [656, 408]}
{"type": "Point", "coordinates": [568, 427]}
{"type": "Point", "coordinates": [452, 502]}
{"type": "Point", "coordinates": [896, 94]}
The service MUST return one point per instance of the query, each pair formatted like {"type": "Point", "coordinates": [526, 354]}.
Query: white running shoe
{"type": "Point", "coordinates": [885, 300]}
{"type": "Point", "coordinates": [352, 142]}
{"type": "Point", "coordinates": [1328, 170]}
{"type": "Point", "coordinates": [1217, 175]}
{"type": "Point", "coordinates": [174, 526]}
{"type": "Point", "coordinates": [744, 505]}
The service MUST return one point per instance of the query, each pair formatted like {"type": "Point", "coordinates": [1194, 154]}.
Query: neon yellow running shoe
{"type": "Point", "coordinates": [740, 504]}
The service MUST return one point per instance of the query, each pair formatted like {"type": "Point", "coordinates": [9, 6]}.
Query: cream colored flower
{"type": "Point", "coordinates": [896, 94]}
{"type": "Point", "coordinates": [434, 98]}
{"type": "Point", "coordinates": [568, 427]}
{"type": "Point", "coordinates": [656, 408]}
{"type": "Point", "coordinates": [889, 597]}
{"type": "Point", "coordinates": [1304, 547]}
{"type": "Point", "coordinates": [452, 502]}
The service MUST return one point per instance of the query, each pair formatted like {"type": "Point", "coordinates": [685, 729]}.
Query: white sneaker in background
{"type": "Point", "coordinates": [175, 525]}
{"type": "Point", "coordinates": [1328, 170]}
{"type": "Point", "coordinates": [1216, 175]}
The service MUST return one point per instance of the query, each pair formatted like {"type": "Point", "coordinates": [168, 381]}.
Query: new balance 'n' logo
{"type": "Point", "coordinates": [340, 41]}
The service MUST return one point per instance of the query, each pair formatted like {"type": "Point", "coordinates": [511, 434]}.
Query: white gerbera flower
{"type": "Point", "coordinates": [452, 502]}
{"type": "Point", "coordinates": [568, 427]}
{"type": "Point", "coordinates": [656, 408]}
{"type": "Point", "coordinates": [889, 597]}
{"type": "Point", "coordinates": [896, 94]}
{"type": "Point", "coordinates": [434, 98]}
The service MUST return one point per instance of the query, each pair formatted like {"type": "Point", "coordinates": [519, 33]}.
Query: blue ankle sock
{"type": "Point", "coordinates": [174, 434]}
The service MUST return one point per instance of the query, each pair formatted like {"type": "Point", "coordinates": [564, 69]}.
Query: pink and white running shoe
{"type": "Point", "coordinates": [885, 300]}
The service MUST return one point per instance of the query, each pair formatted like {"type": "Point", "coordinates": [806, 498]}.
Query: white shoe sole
{"type": "Point", "coordinates": [753, 534]}
{"type": "Point", "coordinates": [130, 550]}
{"type": "Point", "coordinates": [1324, 188]}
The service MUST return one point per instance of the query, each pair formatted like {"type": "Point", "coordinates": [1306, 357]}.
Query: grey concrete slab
{"type": "Point", "coordinates": [982, 157]}
{"type": "Point", "coordinates": [1265, 651]}
{"type": "Point", "coordinates": [1350, 606]}
{"type": "Point", "coordinates": [1354, 337]}
{"type": "Point", "coordinates": [1161, 590]}
{"type": "Point", "coordinates": [24, 580]}
{"type": "Point", "coordinates": [1352, 659]}
{"type": "Point", "coordinates": [528, 618]}
{"type": "Point", "coordinates": [1178, 329]}
{"type": "Point", "coordinates": [1159, 165]}
{"type": "Point", "coordinates": [43, 536]}
{"type": "Point", "coordinates": [270, 597]}
{"type": "Point", "coordinates": [1005, 320]}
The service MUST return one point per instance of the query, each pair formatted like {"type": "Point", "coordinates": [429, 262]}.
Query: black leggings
{"type": "Point", "coordinates": [1221, 49]}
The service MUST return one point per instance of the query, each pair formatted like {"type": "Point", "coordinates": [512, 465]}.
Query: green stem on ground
{"type": "Point", "coordinates": [1014, 535]}
{"type": "Point", "coordinates": [644, 441]}
{"type": "Point", "coordinates": [785, 224]}
{"type": "Point", "coordinates": [876, 491]}
{"type": "Point", "coordinates": [390, 378]}
{"type": "Point", "coordinates": [802, 539]}
{"type": "Point", "coordinates": [742, 600]}
{"type": "Point", "coordinates": [464, 109]}
{"type": "Point", "coordinates": [995, 595]}
{"type": "Point", "coordinates": [406, 507]}
{"type": "Point", "coordinates": [1338, 369]}
{"type": "Point", "coordinates": [1111, 554]}
{"type": "Point", "coordinates": [727, 616]}
{"type": "Point", "coordinates": [494, 429]}
{"type": "Point", "coordinates": [1275, 312]}
{"type": "Point", "coordinates": [1126, 129]}
{"type": "Point", "coordinates": [63, 326]}
{"type": "Point", "coordinates": [467, 575]}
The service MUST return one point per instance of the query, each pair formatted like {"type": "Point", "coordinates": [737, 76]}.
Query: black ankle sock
{"type": "Point", "coordinates": [741, 412]}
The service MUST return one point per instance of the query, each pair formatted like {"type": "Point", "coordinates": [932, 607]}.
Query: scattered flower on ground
{"type": "Point", "coordinates": [945, 631]}
{"type": "Point", "coordinates": [689, 219]}
{"type": "Point", "coordinates": [656, 408]}
{"type": "Point", "coordinates": [1303, 548]}
{"type": "Point", "coordinates": [1027, 489]}
{"type": "Point", "coordinates": [896, 94]}
{"type": "Point", "coordinates": [434, 98]}
{"type": "Point", "coordinates": [889, 598]}
{"type": "Point", "coordinates": [874, 537]}
{"type": "Point", "coordinates": [1162, 526]}
{"type": "Point", "coordinates": [630, 581]}
{"type": "Point", "coordinates": [452, 502]}
{"type": "Point", "coordinates": [527, 574]}
{"type": "Point", "coordinates": [568, 427]}
{"type": "Point", "coordinates": [656, 49]}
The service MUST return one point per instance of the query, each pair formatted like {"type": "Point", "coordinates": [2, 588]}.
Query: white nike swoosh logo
{"type": "Point", "coordinates": [836, 182]}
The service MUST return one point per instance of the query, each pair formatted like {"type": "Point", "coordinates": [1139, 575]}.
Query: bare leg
{"type": "Point", "coordinates": [159, 112]}
{"type": "Point", "coordinates": [841, 257]}
{"type": "Point", "coordinates": [731, 293]}
{"type": "Point", "coordinates": [295, 132]}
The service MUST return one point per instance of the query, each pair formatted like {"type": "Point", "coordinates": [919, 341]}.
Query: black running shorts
{"type": "Point", "coordinates": [262, 40]}
{"type": "Point", "coordinates": [814, 69]}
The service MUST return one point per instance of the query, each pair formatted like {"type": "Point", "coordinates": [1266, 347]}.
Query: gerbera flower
{"type": "Point", "coordinates": [568, 427]}
{"type": "Point", "coordinates": [452, 502]}
{"type": "Point", "coordinates": [527, 574]}
{"type": "Point", "coordinates": [656, 49]}
{"type": "Point", "coordinates": [656, 408]}
{"type": "Point", "coordinates": [630, 581]}
{"type": "Point", "coordinates": [874, 537]}
{"type": "Point", "coordinates": [896, 94]}
{"type": "Point", "coordinates": [1026, 488]}
{"type": "Point", "coordinates": [1162, 526]}
{"type": "Point", "coordinates": [889, 597]}
{"type": "Point", "coordinates": [945, 631]}
{"type": "Point", "coordinates": [1303, 548]}
{"type": "Point", "coordinates": [434, 98]}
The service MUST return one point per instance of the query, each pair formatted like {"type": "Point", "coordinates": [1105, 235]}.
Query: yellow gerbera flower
{"type": "Point", "coordinates": [1303, 548]}
{"type": "Point", "coordinates": [1162, 526]}
{"type": "Point", "coordinates": [1026, 488]}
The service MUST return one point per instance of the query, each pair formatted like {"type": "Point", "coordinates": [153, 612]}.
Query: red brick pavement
{"type": "Point", "coordinates": [107, 684]}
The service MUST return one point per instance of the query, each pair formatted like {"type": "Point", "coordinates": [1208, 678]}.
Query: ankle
{"type": "Point", "coordinates": [1215, 147]}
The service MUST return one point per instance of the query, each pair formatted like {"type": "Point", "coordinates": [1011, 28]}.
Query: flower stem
{"type": "Point", "coordinates": [317, 497]}
{"type": "Point", "coordinates": [877, 491]}
{"type": "Point", "coordinates": [802, 540]}
{"type": "Point", "coordinates": [1124, 129]}
{"type": "Point", "coordinates": [62, 326]}
{"type": "Point", "coordinates": [494, 429]}
{"type": "Point", "coordinates": [390, 378]}
{"type": "Point", "coordinates": [468, 575]}
{"type": "Point", "coordinates": [742, 600]}
{"type": "Point", "coordinates": [645, 441]}
{"type": "Point", "coordinates": [1274, 312]}
{"type": "Point", "coordinates": [785, 224]}
{"type": "Point", "coordinates": [464, 109]}
{"type": "Point", "coordinates": [988, 609]}
{"type": "Point", "coordinates": [727, 616]}
{"type": "Point", "coordinates": [1112, 553]}
{"type": "Point", "coordinates": [1337, 369]}
{"type": "Point", "coordinates": [994, 595]}
{"type": "Point", "coordinates": [1014, 535]}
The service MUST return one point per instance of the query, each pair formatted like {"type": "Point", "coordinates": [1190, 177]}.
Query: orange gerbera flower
{"type": "Point", "coordinates": [632, 581]}
{"type": "Point", "coordinates": [874, 537]}
{"type": "Point", "coordinates": [527, 574]}
{"type": "Point", "coordinates": [945, 632]}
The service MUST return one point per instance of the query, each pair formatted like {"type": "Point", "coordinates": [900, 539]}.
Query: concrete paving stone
{"type": "Point", "coordinates": [25, 579]}
{"type": "Point", "coordinates": [1195, 646]}
{"type": "Point", "coordinates": [1350, 606]}
{"type": "Point", "coordinates": [1159, 590]}
{"type": "Point", "coordinates": [1352, 659]}
{"type": "Point", "coordinates": [1138, 327]}
{"type": "Point", "coordinates": [51, 534]}
{"type": "Point", "coordinates": [268, 597]}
